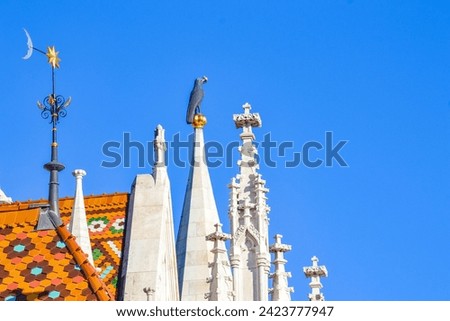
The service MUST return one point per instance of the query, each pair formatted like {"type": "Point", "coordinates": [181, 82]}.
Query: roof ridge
{"type": "Point", "coordinates": [118, 194]}
{"type": "Point", "coordinates": [20, 206]}
{"type": "Point", "coordinates": [24, 204]}
{"type": "Point", "coordinates": [97, 285]}
{"type": "Point", "coordinates": [18, 216]}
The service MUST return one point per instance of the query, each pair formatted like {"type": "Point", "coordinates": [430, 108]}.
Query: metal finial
{"type": "Point", "coordinates": [54, 107]}
{"type": "Point", "coordinates": [52, 56]}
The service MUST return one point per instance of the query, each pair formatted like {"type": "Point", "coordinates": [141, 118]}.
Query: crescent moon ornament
{"type": "Point", "coordinates": [67, 103]}
{"type": "Point", "coordinates": [29, 44]}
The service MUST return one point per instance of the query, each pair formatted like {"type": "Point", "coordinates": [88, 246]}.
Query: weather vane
{"type": "Point", "coordinates": [53, 106]}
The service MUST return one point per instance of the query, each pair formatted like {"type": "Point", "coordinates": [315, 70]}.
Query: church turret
{"type": "Point", "coordinates": [194, 253]}
{"type": "Point", "coordinates": [149, 263]}
{"type": "Point", "coordinates": [249, 251]}
{"type": "Point", "coordinates": [78, 222]}
{"type": "Point", "coordinates": [280, 291]}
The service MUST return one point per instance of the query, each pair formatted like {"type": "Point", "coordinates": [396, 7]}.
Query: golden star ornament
{"type": "Point", "coordinates": [52, 56]}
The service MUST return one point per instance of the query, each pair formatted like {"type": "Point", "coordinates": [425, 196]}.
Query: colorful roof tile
{"type": "Point", "coordinates": [49, 265]}
{"type": "Point", "coordinates": [106, 222]}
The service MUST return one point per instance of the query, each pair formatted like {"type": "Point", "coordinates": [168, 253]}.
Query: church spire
{"type": "Point", "coordinates": [249, 251]}
{"type": "Point", "coordinates": [221, 281]}
{"type": "Point", "coordinates": [280, 291]}
{"type": "Point", "coordinates": [78, 222]}
{"type": "Point", "coordinates": [315, 272]}
{"type": "Point", "coordinates": [197, 221]}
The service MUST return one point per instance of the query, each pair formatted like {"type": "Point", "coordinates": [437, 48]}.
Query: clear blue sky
{"type": "Point", "coordinates": [376, 73]}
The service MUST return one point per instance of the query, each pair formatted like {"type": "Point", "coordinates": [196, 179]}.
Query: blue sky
{"type": "Point", "coordinates": [375, 73]}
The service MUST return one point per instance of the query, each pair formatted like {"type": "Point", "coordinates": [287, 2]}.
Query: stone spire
{"type": "Point", "coordinates": [197, 221]}
{"type": "Point", "coordinates": [280, 291]}
{"type": "Point", "coordinates": [78, 222]}
{"type": "Point", "coordinates": [149, 263]}
{"type": "Point", "coordinates": [249, 251]}
{"type": "Point", "coordinates": [315, 272]}
{"type": "Point", "coordinates": [4, 199]}
{"type": "Point", "coordinates": [221, 281]}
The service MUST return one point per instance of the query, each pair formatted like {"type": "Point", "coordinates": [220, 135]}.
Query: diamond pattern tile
{"type": "Point", "coordinates": [30, 277]}
{"type": "Point", "coordinates": [37, 265]}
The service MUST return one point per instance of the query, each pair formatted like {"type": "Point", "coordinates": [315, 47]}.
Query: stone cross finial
{"type": "Point", "coordinates": [315, 272]}
{"type": "Point", "coordinates": [278, 246]}
{"type": "Point", "coordinates": [247, 119]}
{"type": "Point", "coordinates": [281, 291]}
{"type": "Point", "coordinates": [218, 235]}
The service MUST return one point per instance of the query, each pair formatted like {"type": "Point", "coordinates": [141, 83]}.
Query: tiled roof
{"type": "Point", "coordinates": [48, 265]}
{"type": "Point", "coordinates": [106, 222]}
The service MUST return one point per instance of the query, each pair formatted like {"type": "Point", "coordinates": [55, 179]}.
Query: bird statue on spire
{"type": "Point", "coordinates": [195, 99]}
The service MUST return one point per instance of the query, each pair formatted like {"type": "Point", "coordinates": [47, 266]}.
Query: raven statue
{"type": "Point", "coordinates": [195, 99]}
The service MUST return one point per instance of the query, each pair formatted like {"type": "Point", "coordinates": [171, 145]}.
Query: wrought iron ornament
{"type": "Point", "coordinates": [54, 106]}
